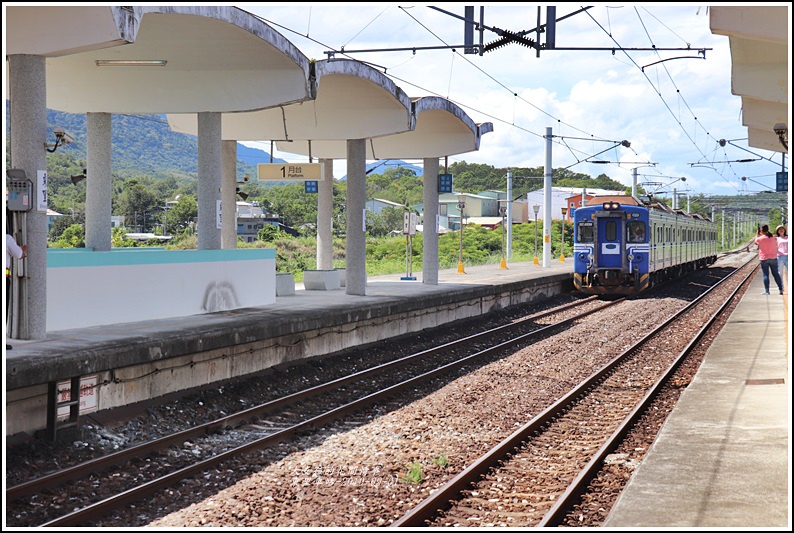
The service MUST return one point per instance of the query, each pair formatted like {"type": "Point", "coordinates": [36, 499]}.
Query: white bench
{"type": "Point", "coordinates": [321, 280]}
{"type": "Point", "coordinates": [285, 284]}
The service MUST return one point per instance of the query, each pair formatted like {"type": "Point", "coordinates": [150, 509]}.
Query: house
{"type": "Point", "coordinates": [559, 199]}
{"type": "Point", "coordinates": [519, 209]}
{"type": "Point", "coordinates": [576, 200]}
{"type": "Point", "coordinates": [251, 218]}
{"type": "Point", "coordinates": [376, 205]}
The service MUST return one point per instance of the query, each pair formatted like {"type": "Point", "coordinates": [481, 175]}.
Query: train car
{"type": "Point", "coordinates": [624, 246]}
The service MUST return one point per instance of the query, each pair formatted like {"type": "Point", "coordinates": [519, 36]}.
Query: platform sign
{"type": "Point", "coordinates": [444, 183]}
{"type": "Point", "coordinates": [88, 395]}
{"type": "Point", "coordinates": [782, 181]}
{"type": "Point", "coordinates": [409, 223]}
{"type": "Point", "coordinates": [311, 186]}
{"type": "Point", "coordinates": [290, 171]}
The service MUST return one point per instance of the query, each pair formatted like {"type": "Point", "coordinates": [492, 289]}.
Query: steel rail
{"type": "Point", "coordinates": [563, 505]}
{"type": "Point", "coordinates": [120, 457]}
{"type": "Point", "coordinates": [102, 507]}
{"type": "Point", "coordinates": [440, 499]}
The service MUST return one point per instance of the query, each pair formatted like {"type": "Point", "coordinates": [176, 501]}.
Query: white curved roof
{"type": "Point", "coordinates": [352, 101]}
{"type": "Point", "coordinates": [442, 129]}
{"type": "Point", "coordinates": [760, 61]}
{"type": "Point", "coordinates": [217, 58]}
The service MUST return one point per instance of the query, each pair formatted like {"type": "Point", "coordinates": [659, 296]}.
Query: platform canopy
{"type": "Point", "coordinates": [158, 59]}
{"type": "Point", "coordinates": [353, 101]}
{"type": "Point", "coordinates": [760, 66]}
{"type": "Point", "coordinates": [442, 129]}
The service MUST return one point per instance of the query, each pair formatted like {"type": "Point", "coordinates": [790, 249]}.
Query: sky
{"type": "Point", "coordinates": [673, 113]}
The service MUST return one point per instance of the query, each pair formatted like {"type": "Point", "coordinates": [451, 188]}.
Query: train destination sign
{"type": "Point", "coordinates": [289, 171]}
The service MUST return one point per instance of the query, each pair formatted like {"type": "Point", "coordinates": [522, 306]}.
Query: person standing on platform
{"type": "Point", "coordinates": [782, 251]}
{"type": "Point", "coordinates": [767, 253]}
{"type": "Point", "coordinates": [12, 250]}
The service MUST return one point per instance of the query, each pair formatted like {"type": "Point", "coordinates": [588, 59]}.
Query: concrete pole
{"type": "Point", "coordinates": [209, 180]}
{"type": "Point", "coordinates": [229, 195]}
{"type": "Point", "coordinates": [723, 229]}
{"type": "Point", "coordinates": [99, 183]}
{"type": "Point", "coordinates": [430, 224]}
{"type": "Point", "coordinates": [634, 182]}
{"type": "Point", "coordinates": [356, 242]}
{"type": "Point", "coordinates": [325, 215]}
{"type": "Point", "coordinates": [547, 203]}
{"type": "Point", "coordinates": [509, 251]}
{"type": "Point", "coordinates": [27, 87]}
{"type": "Point", "coordinates": [675, 199]}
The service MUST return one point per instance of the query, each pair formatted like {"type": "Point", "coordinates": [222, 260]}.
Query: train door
{"type": "Point", "coordinates": [610, 231]}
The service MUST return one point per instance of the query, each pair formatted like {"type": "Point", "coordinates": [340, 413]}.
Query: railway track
{"type": "Point", "coordinates": [283, 418]}
{"type": "Point", "coordinates": [272, 423]}
{"type": "Point", "coordinates": [536, 475]}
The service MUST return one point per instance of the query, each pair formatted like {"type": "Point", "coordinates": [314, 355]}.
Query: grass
{"type": "Point", "coordinates": [414, 474]}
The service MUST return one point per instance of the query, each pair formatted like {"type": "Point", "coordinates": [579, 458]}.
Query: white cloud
{"type": "Point", "coordinates": [579, 93]}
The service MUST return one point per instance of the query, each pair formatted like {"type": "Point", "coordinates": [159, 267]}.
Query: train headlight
{"type": "Point", "coordinates": [610, 206]}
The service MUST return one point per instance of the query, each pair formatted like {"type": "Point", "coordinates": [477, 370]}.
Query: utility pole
{"type": "Point", "coordinates": [509, 215]}
{"type": "Point", "coordinates": [547, 203]}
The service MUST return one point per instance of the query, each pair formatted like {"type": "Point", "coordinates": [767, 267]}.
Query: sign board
{"type": "Point", "coordinates": [42, 191]}
{"type": "Point", "coordinates": [88, 395]}
{"type": "Point", "coordinates": [311, 186]}
{"type": "Point", "coordinates": [782, 181]}
{"type": "Point", "coordinates": [444, 183]}
{"type": "Point", "coordinates": [409, 223]}
{"type": "Point", "coordinates": [289, 171]}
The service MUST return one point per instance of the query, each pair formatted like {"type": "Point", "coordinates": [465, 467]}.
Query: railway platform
{"type": "Point", "coordinates": [722, 458]}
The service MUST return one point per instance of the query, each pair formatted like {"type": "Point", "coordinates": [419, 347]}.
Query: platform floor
{"type": "Point", "coordinates": [723, 457]}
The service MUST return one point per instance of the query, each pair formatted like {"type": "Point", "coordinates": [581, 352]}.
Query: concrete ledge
{"type": "Point", "coordinates": [285, 284]}
{"type": "Point", "coordinates": [321, 280]}
{"type": "Point", "coordinates": [342, 277]}
{"type": "Point", "coordinates": [163, 356]}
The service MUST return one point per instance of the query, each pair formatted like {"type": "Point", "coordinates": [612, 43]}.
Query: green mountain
{"type": "Point", "coordinates": [143, 145]}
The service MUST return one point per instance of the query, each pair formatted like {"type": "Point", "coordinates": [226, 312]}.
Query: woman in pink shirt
{"type": "Point", "coordinates": [782, 251]}
{"type": "Point", "coordinates": [767, 253]}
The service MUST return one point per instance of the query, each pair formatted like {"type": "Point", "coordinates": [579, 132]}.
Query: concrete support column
{"type": "Point", "coordinates": [429, 227]}
{"type": "Point", "coordinates": [229, 195]}
{"type": "Point", "coordinates": [99, 186]}
{"type": "Point", "coordinates": [27, 91]}
{"type": "Point", "coordinates": [209, 180]}
{"type": "Point", "coordinates": [325, 212]}
{"type": "Point", "coordinates": [356, 241]}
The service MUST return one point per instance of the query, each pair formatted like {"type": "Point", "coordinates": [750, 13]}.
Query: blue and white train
{"type": "Point", "coordinates": [624, 246]}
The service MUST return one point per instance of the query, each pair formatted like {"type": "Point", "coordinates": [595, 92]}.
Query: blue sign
{"type": "Point", "coordinates": [311, 186]}
{"type": "Point", "coordinates": [782, 181]}
{"type": "Point", "coordinates": [444, 183]}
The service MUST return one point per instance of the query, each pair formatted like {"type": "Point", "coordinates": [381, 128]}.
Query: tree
{"type": "Point", "coordinates": [60, 225]}
{"type": "Point", "coordinates": [72, 237]}
{"type": "Point", "coordinates": [135, 200]}
{"type": "Point", "coordinates": [119, 239]}
{"type": "Point", "coordinates": [268, 233]}
{"type": "Point", "coordinates": [182, 213]}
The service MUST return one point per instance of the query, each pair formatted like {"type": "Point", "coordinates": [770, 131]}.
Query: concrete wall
{"type": "Point", "coordinates": [142, 284]}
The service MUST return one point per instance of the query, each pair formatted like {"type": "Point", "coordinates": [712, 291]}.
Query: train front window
{"type": "Point", "coordinates": [635, 231]}
{"type": "Point", "coordinates": [584, 232]}
{"type": "Point", "coordinates": [611, 230]}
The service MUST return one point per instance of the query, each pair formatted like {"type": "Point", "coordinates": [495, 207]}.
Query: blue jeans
{"type": "Point", "coordinates": [782, 265]}
{"type": "Point", "coordinates": [766, 266]}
